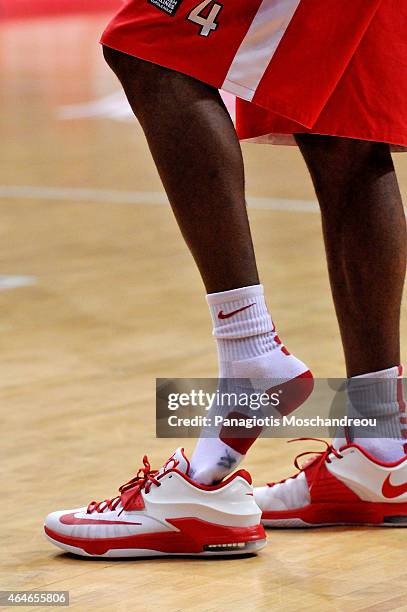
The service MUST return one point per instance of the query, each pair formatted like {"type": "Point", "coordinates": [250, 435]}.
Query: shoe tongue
{"type": "Point", "coordinates": [177, 460]}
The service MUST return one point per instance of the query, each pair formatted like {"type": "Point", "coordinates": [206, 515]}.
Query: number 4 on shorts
{"type": "Point", "coordinates": [206, 21]}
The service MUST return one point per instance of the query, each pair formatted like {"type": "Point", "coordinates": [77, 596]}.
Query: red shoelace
{"type": "Point", "coordinates": [144, 478]}
{"type": "Point", "coordinates": [320, 457]}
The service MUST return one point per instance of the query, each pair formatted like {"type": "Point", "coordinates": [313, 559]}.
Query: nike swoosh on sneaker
{"type": "Point", "coordinates": [391, 491]}
{"type": "Point", "coordinates": [71, 519]}
{"type": "Point", "coordinates": [227, 315]}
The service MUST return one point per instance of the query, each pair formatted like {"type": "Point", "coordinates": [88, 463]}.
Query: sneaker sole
{"type": "Point", "coordinates": [367, 514]}
{"type": "Point", "coordinates": [208, 540]}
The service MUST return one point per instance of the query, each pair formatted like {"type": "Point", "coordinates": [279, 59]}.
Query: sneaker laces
{"type": "Point", "coordinates": [320, 458]}
{"type": "Point", "coordinates": [144, 479]}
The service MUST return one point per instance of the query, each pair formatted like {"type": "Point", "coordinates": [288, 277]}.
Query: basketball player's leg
{"type": "Point", "coordinates": [365, 238]}
{"type": "Point", "coordinates": [364, 230]}
{"type": "Point", "coordinates": [198, 156]}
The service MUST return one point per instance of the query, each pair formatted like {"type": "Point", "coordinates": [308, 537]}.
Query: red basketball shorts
{"type": "Point", "coordinates": [327, 67]}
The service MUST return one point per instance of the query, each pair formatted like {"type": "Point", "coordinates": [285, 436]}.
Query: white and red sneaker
{"type": "Point", "coordinates": [345, 487]}
{"type": "Point", "coordinates": [164, 513]}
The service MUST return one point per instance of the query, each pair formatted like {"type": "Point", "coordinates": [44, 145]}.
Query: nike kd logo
{"type": "Point", "coordinates": [71, 519]}
{"type": "Point", "coordinates": [222, 315]}
{"type": "Point", "coordinates": [390, 491]}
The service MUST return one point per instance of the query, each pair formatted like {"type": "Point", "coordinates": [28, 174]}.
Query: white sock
{"type": "Point", "coordinates": [378, 395]}
{"type": "Point", "coordinates": [249, 351]}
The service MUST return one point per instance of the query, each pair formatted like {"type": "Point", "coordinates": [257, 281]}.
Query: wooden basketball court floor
{"type": "Point", "coordinates": [98, 296]}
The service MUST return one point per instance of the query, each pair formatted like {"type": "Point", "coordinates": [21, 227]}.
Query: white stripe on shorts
{"type": "Point", "coordinates": [258, 47]}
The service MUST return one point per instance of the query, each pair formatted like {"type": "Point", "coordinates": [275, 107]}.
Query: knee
{"type": "Point", "coordinates": [339, 164]}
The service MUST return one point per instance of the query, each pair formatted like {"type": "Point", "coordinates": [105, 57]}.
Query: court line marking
{"type": "Point", "coordinates": [13, 282]}
{"type": "Point", "coordinates": [111, 196]}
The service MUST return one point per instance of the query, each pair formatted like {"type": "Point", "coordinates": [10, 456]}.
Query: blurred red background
{"type": "Point", "coordinates": [32, 8]}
